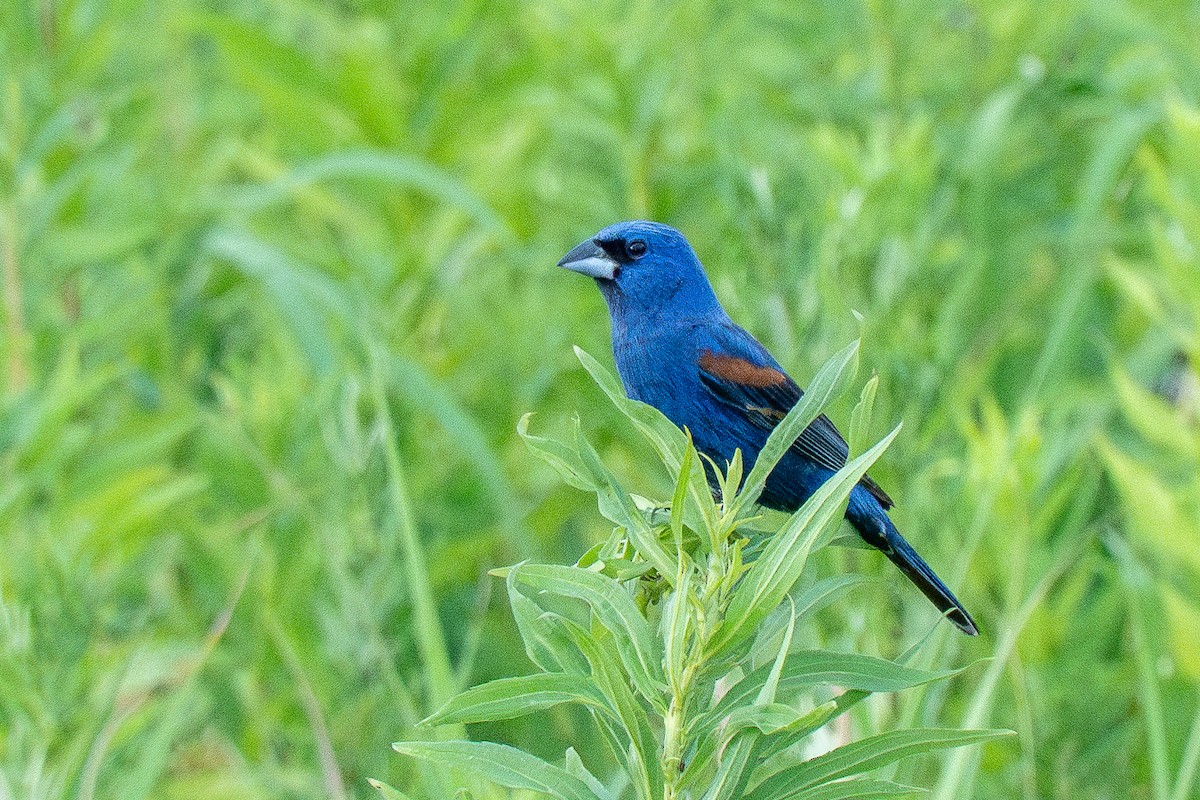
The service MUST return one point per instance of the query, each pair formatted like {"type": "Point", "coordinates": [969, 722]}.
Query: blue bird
{"type": "Point", "coordinates": [677, 350]}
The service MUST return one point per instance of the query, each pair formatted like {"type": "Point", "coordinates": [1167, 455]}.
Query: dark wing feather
{"type": "Point", "coordinates": [765, 395]}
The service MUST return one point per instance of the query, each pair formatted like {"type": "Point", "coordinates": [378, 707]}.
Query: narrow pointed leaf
{"type": "Point", "coordinates": [563, 459]}
{"type": "Point", "coordinates": [388, 792]}
{"type": "Point", "coordinates": [675, 622]}
{"type": "Point", "coordinates": [805, 668]}
{"type": "Point", "coordinates": [613, 608]}
{"type": "Point", "coordinates": [856, 671]}
{"type": "Point", "coordinates": [813, 721]}
{"type": "Point", "coordinates": [576, 767]}
{"type": "Point", "coordinates": [863, 756]}
{"type": "Point", "coordinates": [546, 642]}
{"type": "Point", "coordinates": [619, 506]}
{"type": "Point", "coordinates": [859, 789]}
{"type": "Point", "coordinates": [513, 697]}
{"type": "Point", "coordinates": [860, 418]}
{"type": "Point", "coordinates": [666, 438]}
{"type": "Point", "coordinates": [830, 380]}
{"type": "Point", "coordinates": [768, 718]}
{"type": "Point", "coordinates": [824, 592]}
{"type": "Point", "coordinates": [503, 765]}
{"type": "Point", "coordinates": [778, 568]}
{"type": "Point", "coordinates": [678, 499]}
{"type": "Point", "coordinates": [766, 695]}
{"type": "Point", "coordinates": [733, 766]}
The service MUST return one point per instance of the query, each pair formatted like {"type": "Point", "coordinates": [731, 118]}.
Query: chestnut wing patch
{"type": "Point", "coordinates": [740, 371]}
{"type": "Point", "coordinates": [765, 395]}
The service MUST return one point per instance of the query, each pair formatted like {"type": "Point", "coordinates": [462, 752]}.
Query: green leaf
{"type": "Point", "coordinates": [805, 668]}
{"type": "Point", "coordinates": [389, 168]}
{"type": "Point", "coordinates": [506, 698]}
{"type": "Point", "coordinates": [615, 609]}
{"type": "Point", "coordinates": [862, 756]}
{"type": "Point", "coordinates": [770, 686]}
{"type": "Point", "coordinates": [501, 764]}
{"type": "Point", "coordinates": [850, 539]}
{"type": "Point", "coordinates": [860, 418]}
{"type": "Point", "coordinates": [734, 766]}
{"type": "Point", "coordinates": [824, 592]}
{"type": "Point", "coordinates": [733, 476]}
{"type": "Point", "coordinates": [859, 789]}
{"type": "Point", "coordinates": [388, 792]}
{"type": "Point", "coordinates": [667, 439]}
{"type": "Point", "coordinates": [576, 767]}
{"type": "Point", "coordinates": [678, 499]}
{"type": "Point", "coordinates": [818, 718]}
{"type": "Point", "coordinates": [768, 718]}
{"type": "Point", "coordinates": [598, 646]}
{"type": "Point", "coordinates": [778, 568]}
{"type": "Point", "coordinates": [1154, 513]}
{"type": "Point", "coordinates": [619, 506]}
{"type": "Point", "coordinates": [856, 671]}
{"type": "Point", "coordinates": [676, 619]}
{"type": "Point", "coordinates": [563, 459]}
{"type": "Point", "coordinates": [781, 729]}
{"type": "Point", "coordinates": [307, 299]}
{"type": "Point", "coordinates": [829, 382]}
{"type": "Point", "coordinates": [546, 642]}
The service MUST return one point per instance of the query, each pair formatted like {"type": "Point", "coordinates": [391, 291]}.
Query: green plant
{"type": "Point", "coordinates": [202, 203]}
{"type": "Point", "coordinates": [677, 634]}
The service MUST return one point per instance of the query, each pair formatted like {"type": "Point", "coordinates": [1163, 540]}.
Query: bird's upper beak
{"type": "Point", "coordinates": [590, 259]}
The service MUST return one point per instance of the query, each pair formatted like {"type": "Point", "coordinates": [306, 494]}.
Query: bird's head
{"type": "Point", "coordinates": [644, 268]}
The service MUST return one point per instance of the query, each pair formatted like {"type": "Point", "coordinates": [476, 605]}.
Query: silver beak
{"type": "Point", "coordinates": [589, 259]}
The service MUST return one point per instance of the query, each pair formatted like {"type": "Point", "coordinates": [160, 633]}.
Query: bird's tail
{"type": "Point", "coordinates": [900, 552]}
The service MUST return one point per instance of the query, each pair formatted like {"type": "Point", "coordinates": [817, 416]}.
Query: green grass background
{"type": "Point", "coordinates": [279, 281]}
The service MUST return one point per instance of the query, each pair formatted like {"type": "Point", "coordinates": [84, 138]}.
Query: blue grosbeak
{"type": "Point", "coordinates": [677, 350]}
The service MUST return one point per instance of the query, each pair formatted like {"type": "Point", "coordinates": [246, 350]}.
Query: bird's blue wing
{"type": "Point", "coordinates": [739, 372]}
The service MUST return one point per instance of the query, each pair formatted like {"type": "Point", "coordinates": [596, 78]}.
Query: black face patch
{"type": "Point", "coordinates": [616, 250]}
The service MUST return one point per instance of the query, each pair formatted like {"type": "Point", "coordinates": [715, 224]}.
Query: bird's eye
{"type": "Point", "coordinates": [636, 248]}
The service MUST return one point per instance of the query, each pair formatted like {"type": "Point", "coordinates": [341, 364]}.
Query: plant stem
{"type": "Point", "coordinates": [703, 616]}
{"type": "Point", "coordinates": [672, 758]}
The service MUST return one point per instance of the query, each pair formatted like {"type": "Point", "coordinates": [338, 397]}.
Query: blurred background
{"type": "Point", "coordinates": [278, 282]}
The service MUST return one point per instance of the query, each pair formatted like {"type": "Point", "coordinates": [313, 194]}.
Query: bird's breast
{"type": "Point", "coordinates": [657, 370]}
{"type": "Point", "coordinates": [662, 370]}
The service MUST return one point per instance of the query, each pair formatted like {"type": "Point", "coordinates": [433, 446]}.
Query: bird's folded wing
{"type": "Point", "coordinates": [765, 394]}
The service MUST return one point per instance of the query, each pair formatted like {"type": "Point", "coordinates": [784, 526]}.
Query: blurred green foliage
{"type": "Point", "coordinates": [278, 283]}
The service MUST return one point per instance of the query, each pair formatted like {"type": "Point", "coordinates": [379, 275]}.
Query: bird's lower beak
{"type": "Point", "coordinates": [589, 259]}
